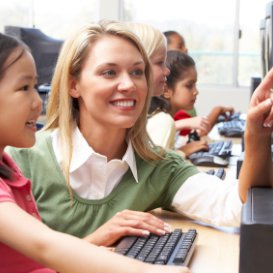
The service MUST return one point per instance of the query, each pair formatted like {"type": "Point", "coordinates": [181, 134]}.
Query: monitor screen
{"type": "Point", "coordinates": [45, 50]}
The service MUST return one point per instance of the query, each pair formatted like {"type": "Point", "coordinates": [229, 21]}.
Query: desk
{"type": "Point", "coordinates": [217, 250]}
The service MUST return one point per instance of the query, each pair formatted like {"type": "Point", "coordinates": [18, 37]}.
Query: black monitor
{"type": "Point", "coordinates": [45, 50]}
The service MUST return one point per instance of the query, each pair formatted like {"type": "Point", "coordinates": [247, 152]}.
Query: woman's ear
{"type": "Point", "coordinates": [73, 90]}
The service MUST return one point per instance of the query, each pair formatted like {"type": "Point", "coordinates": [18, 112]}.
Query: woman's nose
{"type": "Point", "coordinates": [126, 83]}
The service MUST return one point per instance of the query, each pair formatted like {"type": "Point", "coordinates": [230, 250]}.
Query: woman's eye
{"type": "Point", "coordinates": [138, 72]}
{"type": "Point", "coordinates": [109, 73]}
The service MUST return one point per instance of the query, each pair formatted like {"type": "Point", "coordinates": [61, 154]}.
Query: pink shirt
{"type": "Point", "coordinates": [18, 191]}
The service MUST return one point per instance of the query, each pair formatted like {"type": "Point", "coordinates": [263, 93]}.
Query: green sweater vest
{"type": "Point", "coordinates": [158, 183]}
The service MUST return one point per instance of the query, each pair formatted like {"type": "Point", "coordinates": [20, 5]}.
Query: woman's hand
{"type": "Point", "coordinates": [194, 146]}
{"type": "Point", "coordinates": [125, 223]}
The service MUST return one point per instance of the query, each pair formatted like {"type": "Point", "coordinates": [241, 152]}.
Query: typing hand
{"type": "Point", "coordinates": [125, 223]}
{"type": "Point", "coordinates": [195, 146]}
{"type": "Point", "coordinates": [167, 269]}
{"type": "Point", "coordinates": [260, 114]}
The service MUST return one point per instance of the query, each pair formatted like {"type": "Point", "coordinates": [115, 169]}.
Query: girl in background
{"type": "Point", "coordinates": [181, 92]}
{"type": "Point", "coordinates": [161, 127]}
{"type": "Point", "coordinates": [26, 244]}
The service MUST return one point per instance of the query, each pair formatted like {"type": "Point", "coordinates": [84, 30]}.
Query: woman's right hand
{"type": "Point", "coordinates": [125, 223]}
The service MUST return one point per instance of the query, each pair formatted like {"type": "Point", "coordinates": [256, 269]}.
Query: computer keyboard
{"type": "Point", "coordinates": [221, 148]}
{"type": "Point", "coordinates": [217, 155]}
{"type": "Point", "coordinates": [233, 128]}
{"type": "Point", "coordinates": [175, 248]}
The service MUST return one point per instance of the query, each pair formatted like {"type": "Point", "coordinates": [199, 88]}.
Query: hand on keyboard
{"type": "Point", "coordinates": [128, 223]}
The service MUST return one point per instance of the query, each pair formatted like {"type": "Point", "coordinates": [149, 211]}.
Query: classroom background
{"type": "Point", "coordinates": [223, 37]}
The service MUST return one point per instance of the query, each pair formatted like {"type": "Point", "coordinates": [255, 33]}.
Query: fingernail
{"type": "Point", "coordinates": [161, 232]}
{"type": "Point", "coordinates": [268, 125]}
{"type": "Point", "coordinates": [268, 102]}
{"type": "Point", "coordinates": [146, 232]}
{"type": "Point", "coordinates": [168, 227]}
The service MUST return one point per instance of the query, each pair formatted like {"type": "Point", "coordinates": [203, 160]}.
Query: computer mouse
{"type": "Point", "coordinates": [210, 161]}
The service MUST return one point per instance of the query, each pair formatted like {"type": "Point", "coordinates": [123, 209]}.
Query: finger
{"type": "Point", "coordinates": [145, 219]}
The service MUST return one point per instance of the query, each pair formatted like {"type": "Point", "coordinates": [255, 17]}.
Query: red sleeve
{"type": "Point", "coordinates": [181, 114]}
{"type": "Point", "coordinates": [5, 192]}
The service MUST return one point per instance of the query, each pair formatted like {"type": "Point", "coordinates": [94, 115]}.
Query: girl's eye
{"type": "Point", "coordinates": [25, 88]}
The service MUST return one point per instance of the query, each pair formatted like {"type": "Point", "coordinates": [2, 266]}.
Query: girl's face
{"type": "Point", "coordinates": [160, 70]}
{"type": "Point", "coordinates": [184, 94]}
{"type": "Point", "coordinates": [112, 87]}
{"type": "Point", "coordinates": [177, 43]}
{"type": "Point", "coordinates": [20, 103]}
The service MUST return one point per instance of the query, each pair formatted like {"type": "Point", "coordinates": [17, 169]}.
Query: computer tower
{"type": "Point", "coordinates": [256, 233]}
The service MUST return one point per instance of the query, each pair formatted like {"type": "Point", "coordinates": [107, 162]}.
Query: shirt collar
{"type": "Point", "coordinates": [82, 152]}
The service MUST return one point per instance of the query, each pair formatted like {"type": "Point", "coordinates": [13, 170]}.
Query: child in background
{"type": "Point", "coordinates": [181, 92]}
{"type": "Point", "coordinates": [161, 126]}
{"type": "Point", "coordinates": [175, 41]}
{"type": "Point", "coordinates": [26, 244]}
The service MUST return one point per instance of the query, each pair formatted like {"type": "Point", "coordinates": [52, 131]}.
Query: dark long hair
{"type": "Point", "coordinates": [7, 46]}
{"type": "Point", "coordinates": [178, 63]}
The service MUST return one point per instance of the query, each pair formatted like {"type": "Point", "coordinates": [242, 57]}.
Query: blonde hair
{"type": "Point", "coordinates": [63, 110]}
{"type": "Point", "coordinates": [151, 38]}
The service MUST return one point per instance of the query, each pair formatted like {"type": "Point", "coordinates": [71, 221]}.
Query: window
{"type": "Point", "coordinates": [211, 31]}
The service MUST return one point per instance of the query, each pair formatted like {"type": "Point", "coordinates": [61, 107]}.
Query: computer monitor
{"type": "Point", "coordinates": [45, 50]}
{"type": "Point", "coordinates": [268, 36]}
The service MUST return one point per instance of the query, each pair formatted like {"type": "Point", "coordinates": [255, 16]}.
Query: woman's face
{"type": "Point", "coordinates": [184, 94]}
{"type": "Point", "coordinates": [20, 103]}
{"type": "Point", "coordinates": [160, 70]}
{"type": "Point", "coordinates": [112, 87]}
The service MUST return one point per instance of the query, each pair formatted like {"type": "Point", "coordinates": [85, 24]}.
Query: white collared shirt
{"type": "Point", "coordinates": [91, 175]}
{"type": "Point", "coordinates": [202, 197]}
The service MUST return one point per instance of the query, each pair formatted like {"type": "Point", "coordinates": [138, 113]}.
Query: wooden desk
{"type": "Point", "coordinates": [217, 250]}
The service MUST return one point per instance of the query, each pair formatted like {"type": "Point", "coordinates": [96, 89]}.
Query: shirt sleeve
{"type": "Point", "coordinates": [209, 199]}
{"type": "Point", "coordinates": [5, 193]}
{"type": "Point", "coordinates": [161, 129]}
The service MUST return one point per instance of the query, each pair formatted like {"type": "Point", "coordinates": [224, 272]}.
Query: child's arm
{"type": "Point", "coordinates": [201, 124]}
{"type": "Point", "coordinates": [194, 146]}
{"type": "Point", "coordinates": [257, 168]}
{"type": "Point", "coordinates": [63, 252]}
{"type": "Point", "coordinates": [216, 112]}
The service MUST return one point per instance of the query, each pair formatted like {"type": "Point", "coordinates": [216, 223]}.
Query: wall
{"type": "Point", "coordinates": [226, 96]}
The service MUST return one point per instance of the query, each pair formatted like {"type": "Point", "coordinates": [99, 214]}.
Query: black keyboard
{"type": "Point", "coordinates": [175, 248]}
{"type": "Point", "coordinates": [217, 156]}
{"type": "Point", "coordinates": [233, 128]}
